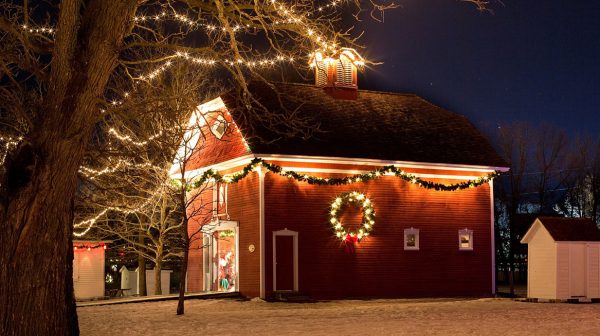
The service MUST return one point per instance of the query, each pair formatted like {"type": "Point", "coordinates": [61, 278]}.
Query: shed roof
{"type": "Point", "coordinates": [377, 125]}
{"type": "Point", "coordinates": [570, 229]}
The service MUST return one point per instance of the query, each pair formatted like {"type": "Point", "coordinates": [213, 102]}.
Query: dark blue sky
{"type": "Point", "coordinates": [535, 60]}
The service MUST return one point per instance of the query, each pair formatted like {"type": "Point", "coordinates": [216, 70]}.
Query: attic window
{"type": "Point", "coordinates": [219, 127]}
{"type": "Point", "coordinates": [465, 240]}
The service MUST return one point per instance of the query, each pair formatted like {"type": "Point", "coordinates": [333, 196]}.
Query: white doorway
{"type": "Point", "coordinates": [221, 256]}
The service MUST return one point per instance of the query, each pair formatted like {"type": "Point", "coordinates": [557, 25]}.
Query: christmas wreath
{"type": "Point", "coordinates": [368, 218]}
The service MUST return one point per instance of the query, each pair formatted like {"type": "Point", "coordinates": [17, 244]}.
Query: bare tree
{"type": "Point", "coordinates": [512, 142]}
{"type": "Point", "coordinates": [542, 170]}
{"type": "Point", "coordinates": [128, 194]}
{"type": "Point", "coordinates": [582, 199]}
{"type": "Point", "coordinates": [552, 167]}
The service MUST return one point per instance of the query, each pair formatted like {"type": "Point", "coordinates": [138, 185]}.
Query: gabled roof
{"type": "Point", "coordinates": [377, 125]}
{"type": "Point", "coordinates": [566, 229]}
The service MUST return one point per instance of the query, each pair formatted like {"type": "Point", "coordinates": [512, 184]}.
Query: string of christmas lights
{"type": "Point", "coordinates": [129, 139]}
{"type": "Point", "coordinates": [192, 24]}
{"type": "Point", "coordinates": [259, 62]}
{"type": "Point", "coordinates": [9, 143]}
{"type": "Point", "coordinates": [89, 223]}
{"type": "Point", "coordinates": [391, 170]}
{"type": "Point", "coordinates": [288, 13]}
{"type": "Point", "coordinates": [292, 17]}
{"type": "Point", "coordinates": [121, 164]}
{"type": "Point", "coordinates": [38, 30]}
{"type": "Point", "coordinates": [89, 247]}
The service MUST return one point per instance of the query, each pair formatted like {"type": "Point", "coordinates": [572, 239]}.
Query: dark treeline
{"type": "Point", "coordinates": [551, 173]}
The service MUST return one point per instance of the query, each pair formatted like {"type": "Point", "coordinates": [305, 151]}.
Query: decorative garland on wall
{"type": "Point", "coordinates": [89, 247]}
{"type": "Point", "coordinates": [368, 218]}
{"type": "Point", "coordinates": [353, 197]}
{"type": "Point", "coordinates": [386, 170]}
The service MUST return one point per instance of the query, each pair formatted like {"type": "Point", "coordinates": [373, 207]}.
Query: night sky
{"type": "Point", "coordinates": [536, 61]}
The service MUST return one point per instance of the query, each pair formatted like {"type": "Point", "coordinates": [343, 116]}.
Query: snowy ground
{"type": "Point", "coordinates": [376, 317]}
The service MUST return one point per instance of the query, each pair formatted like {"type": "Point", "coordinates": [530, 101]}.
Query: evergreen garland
{"type": "Point", "coordinates": [386, 170]}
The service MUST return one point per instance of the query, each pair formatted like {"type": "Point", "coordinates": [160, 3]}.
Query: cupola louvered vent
{"type": "Point", "coordinates": [344, 73]}
{"type": "Point", "coordinates": [321, 74]}
{"type": "Point", "coordinates": [337, 72]}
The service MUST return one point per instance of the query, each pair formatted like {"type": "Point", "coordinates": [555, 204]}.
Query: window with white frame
{"type": "Point", "coordinates": [411, 239]}
{"type": "Point", "coordinates": [219, 127]}
{"type": "Point", "coordinates": [465, 239]}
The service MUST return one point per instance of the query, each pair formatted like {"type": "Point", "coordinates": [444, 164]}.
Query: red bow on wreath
{"type": "Point", "coordinates": [351, 239]}
{"type": "Point", "coordinates": [349, 243]}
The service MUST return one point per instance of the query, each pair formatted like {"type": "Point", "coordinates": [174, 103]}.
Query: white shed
{"type": "Point", "coordinates": [563, 259]}
{"type": "Point", "coordinates": [130, 281]}
{"type": "Point", "coordinates": [88, 269]}
{"type": "Point", "coordinates": [165, 281]}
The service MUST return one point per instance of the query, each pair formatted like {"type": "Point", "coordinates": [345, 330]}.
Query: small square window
{"type": "Point", "coordinates": [411, 239]}
{"type": "Point", "coordinates": [465, 240]}
{"type": "Point", "coordinates": [219, 127]}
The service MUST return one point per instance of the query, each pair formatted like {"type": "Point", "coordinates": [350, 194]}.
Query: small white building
{"type": "Point", "coordinates": [130, 281]}
{"type": "Point", "coordinates": [88, 269]}
{"type": "Point", "coordinates": [563, 259]}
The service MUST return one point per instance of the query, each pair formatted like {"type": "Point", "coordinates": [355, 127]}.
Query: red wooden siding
{"type": "Point", "coordinates": [379, 266]}
{"type": "Point", "coordinates": [243, 200]}
{"type": "Point", "coordinates": [243, 204]}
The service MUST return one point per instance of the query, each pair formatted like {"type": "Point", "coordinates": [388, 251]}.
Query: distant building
{"type": "Point", "coordinates": [564, 259]}
{"type": "Point", "coordinates": [88, 269]}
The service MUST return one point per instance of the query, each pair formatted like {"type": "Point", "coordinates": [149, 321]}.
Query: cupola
{"type": "Point", "coordinates": [336, 72]}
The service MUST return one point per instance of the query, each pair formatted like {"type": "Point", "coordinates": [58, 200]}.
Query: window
{"type": "Point", "coordinates": [411, 239]}
{"type": "Point", "coordinates": [219, 127]}
{"type": "Point", "coordinates": [465, 240]}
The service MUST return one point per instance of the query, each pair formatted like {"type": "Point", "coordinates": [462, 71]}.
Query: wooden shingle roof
{"type": "Point", "coordinates": [571, 229]}
{"type": "Point", "coordinates": [377, 125]}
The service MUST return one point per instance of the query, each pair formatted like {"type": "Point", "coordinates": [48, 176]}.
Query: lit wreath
{"type": "Point", "coordinates": [368, 219]}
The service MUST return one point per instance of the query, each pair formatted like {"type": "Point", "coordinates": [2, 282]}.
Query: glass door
{"type": "Point", "coordinates": [222, 258]}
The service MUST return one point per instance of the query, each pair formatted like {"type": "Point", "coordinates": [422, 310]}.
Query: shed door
{"type": "Point", "coordinates": [577, 268]}
{"type": "Point", "coordinates": [284, 263]}
{"type": "Point", "coordinates": [593, 271]}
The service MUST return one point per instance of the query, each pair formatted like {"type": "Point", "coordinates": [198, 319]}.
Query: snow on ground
{"type": "Point", "coordinates": [372, 317]}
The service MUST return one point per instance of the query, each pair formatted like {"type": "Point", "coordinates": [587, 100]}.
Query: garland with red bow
{"type": "Point", "coordinates": [368, 218]}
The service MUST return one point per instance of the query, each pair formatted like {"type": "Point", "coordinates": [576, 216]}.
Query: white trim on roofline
{"type": "Point", "coordinates": [375, 162]}
{"type": "Point", "coordinates": [354, 172]}
{"type": "Point", "coordinates": [261, 219]}
{"type": "Point", "coordinates": [242, 160]}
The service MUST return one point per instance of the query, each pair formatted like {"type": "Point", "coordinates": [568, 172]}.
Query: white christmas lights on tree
{"type": "Point", "coordinates": [9, 144]}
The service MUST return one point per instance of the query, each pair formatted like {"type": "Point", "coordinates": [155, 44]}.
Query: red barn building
{"type": "Point", "coordinates": [287, 225]}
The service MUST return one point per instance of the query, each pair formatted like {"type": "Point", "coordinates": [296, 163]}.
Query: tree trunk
{"type": "Point", "coordinates": [36, 200]}
{"type": "Point", "coordinates": [511, 251]}
{"type": "Point", "coordinates": [184, 267]}
{"type": "Point", "coordinates": [142, 275]}
{"type": "Point", "coordinates": [157, 276]}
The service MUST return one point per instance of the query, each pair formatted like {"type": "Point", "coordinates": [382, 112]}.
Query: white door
{"type": "Point", "coordinates": [577, 278]}
{"type": "Point", "coordinates": [593, 271]}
